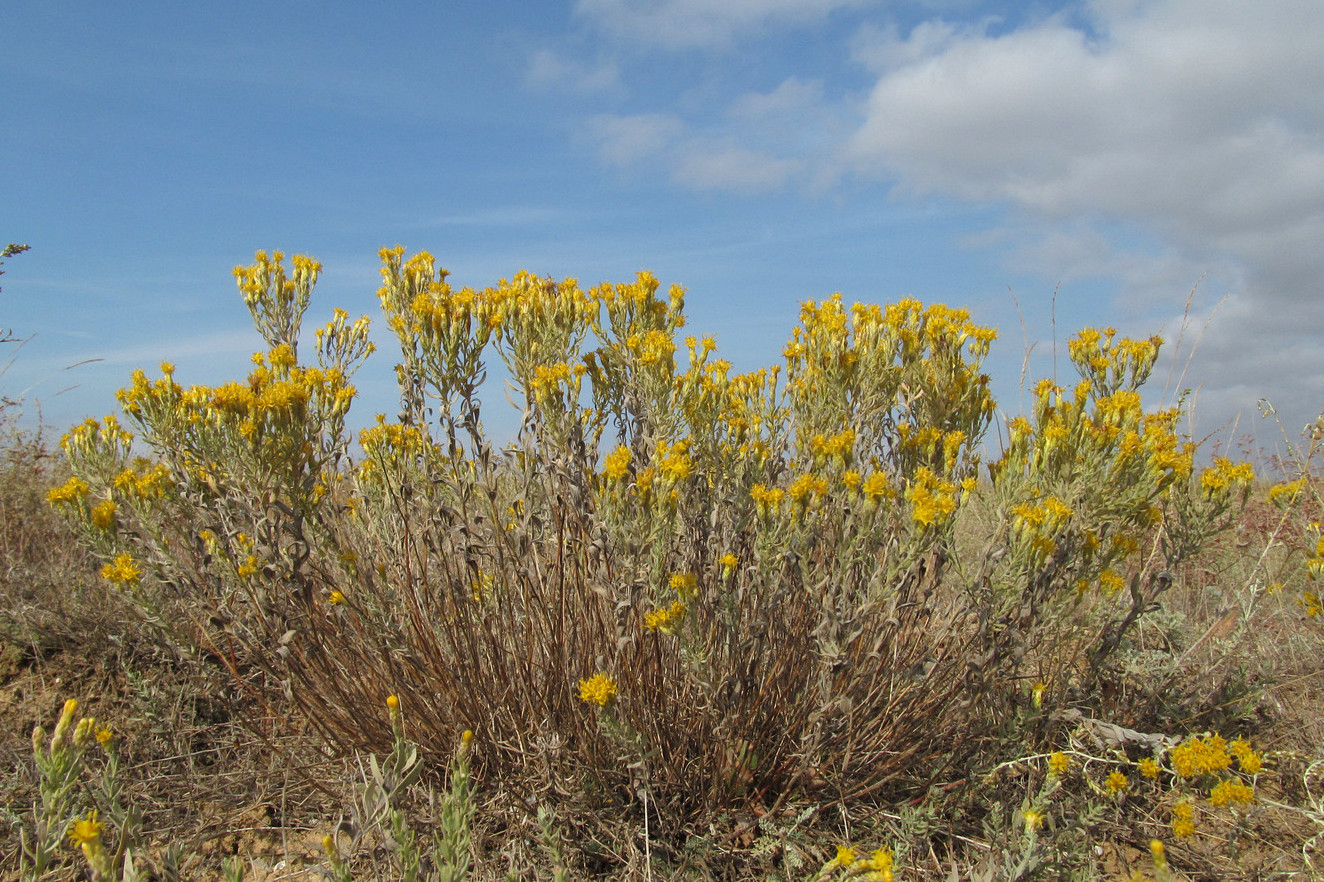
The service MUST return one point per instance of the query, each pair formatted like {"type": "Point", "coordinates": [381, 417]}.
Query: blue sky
{"type": "Point", "coordinates": [1100, 159]}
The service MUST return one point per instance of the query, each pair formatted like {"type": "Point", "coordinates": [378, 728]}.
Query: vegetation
{"type": "Point", "coordinates": [798, 623]}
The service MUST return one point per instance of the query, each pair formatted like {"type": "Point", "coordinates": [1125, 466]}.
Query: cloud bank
{"type": "Point", "coordinates": [1153, 144]}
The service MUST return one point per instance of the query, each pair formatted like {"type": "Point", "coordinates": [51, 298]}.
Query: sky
{"type": "Point", "coordinates": [1151, 165]}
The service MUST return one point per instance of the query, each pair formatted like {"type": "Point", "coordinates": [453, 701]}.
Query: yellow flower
{"type": "Point", "coordinates": [1110, 582]}
{"type": "Point", "coordinates": [684, 584]}
{"type": "Point", "coordinates": [105, 736]}
{"type": "Point", "coordinates": [805, 487]}
{"type": "Point", "coordinates": [1247, 758]}
{"type": "Point", "coordinates": [765, 500]}
{"type": "Point", "coordinates": [69, 492]}
{"type": "Point", "coordinates": [1058, 763]}
{"type": "Point", "coordinates": [1033, 820]}
{"type": "Point", "coordinates": [1229, 792]}
{"type": "Point", "coordinates": [674, 461]}
{"type": "Point", "coordinates": [617, 465]}
{"type": "Point", "coordinates": [878, 867]}
{"type": "Point", "coordinates": [335, 598]}
{"type": "Point", "coordinates": [845, 857]}
{"type": "Point", "coordinates": [86, 830]}
{"type": "Point", "coordinates": [1183, 820]}
{"type": "Point", "coordinates": [1286, 493]}
{"type": "Point", "coordinates": [122, 571]}
{"type": "Point", "coordinates": [598, 689]}
{"type": "Point", "coordinates": [1149, 768]}
{"type": "Point", "coordinates": [103, 514]}
{"type": "Point", "coordinates": [877, 487]}
{"type": "Point", "coordinates": [1116, 783]}
{"type": "Point", "coordinates": [86, 833]}
{"type": "Point", "coordinates": [665, 620]}
{"type": "Point", "coordinates": [1159, 854]}
{"type": "Point", "coordinates": [932, 499]}
{"type": "Point", "coordinates": [1200, 756]}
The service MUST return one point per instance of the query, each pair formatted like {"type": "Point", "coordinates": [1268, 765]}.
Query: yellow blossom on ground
{"type": "Point", "coordinates": [1116, 783]}
{"type": "Point", "coordinates": [1059, 763]}
{"type": "Point", "coordinates": [844, 858]}
{"type": "Point", "coordinates": [1183, 820]}
{"type": "Point", "coordinates": [878, 866]}
{"type": "Point", "coordinates": [1286, 493]}
{"type": "Point", "coordinates": [1229, 792]}
{"type": "Point", "coordinates": [1149, 768]}
{"type": "Point", "coordinates": [1200, 756]}
{"type": "Point", "coordinates": [86, 830]}
{"type": "Point", "coordinates": [86, 834]}
{"type": "Point", "coordinates": [1247, 759]}
{"type": "Point", "coordinates": [1034, 820]}
{"type": "Point", "coordinates": [598, 689]}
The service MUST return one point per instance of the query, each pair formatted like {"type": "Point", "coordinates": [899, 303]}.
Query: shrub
{"type": "Point", "coordinates": [678, 588]}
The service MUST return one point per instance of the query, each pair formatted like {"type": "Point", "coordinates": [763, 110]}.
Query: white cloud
{"type": "Point", "coordinates": [680, 24]}
{"type": "Point", "coordinates": [732, 168]}
{"type": "Point", "coordinates": [1200, 123]}
{"type": "Point", "coordinates": [626, 140]}
{"type": "Point", "coordinates": [761, 142]}
{"type": "Point", "coordinates": [549, 70]}
{"type": "Point", "coordinates": [793, 96]}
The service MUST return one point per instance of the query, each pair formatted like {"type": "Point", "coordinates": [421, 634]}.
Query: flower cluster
{"type": "Point", "coordinates": [598, 689]}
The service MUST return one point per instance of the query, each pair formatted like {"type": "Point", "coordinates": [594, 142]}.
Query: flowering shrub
{"type": "Point", "coordinates": [677, 581]}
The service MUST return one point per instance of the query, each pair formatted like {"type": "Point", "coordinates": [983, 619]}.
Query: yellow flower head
{"type": "Point", "coordinates": [598, 689]}
{"type": "Point", "coordinates": [1116, 783]}
{"type": "Point", "coordinates": [1200, 756]}
{"type": "Point", "coordinates": [684, 584]}
{"type": "Point", "coordinates": [1229, 792]}
{"type": "Point", "coordinates": [69, 492]}
{"type": "Point", "coordinates": [103, 515]}
{"type": "Point", "coordinates": [617, 466]}
{"type": "Point", "coordinates": [845, 856]}
{"type": "Point", "coordinates": [1249, 761]}
{"type": "Point", "coordinates": [122, 571]}
{"type": "Point", "coordinates": [86, 831]}
{"type": "Point", "coordinates": [665, 620]}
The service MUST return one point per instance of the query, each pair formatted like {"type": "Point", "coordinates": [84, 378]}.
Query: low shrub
{"type": "Point", "coordinates": [679, 589]}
